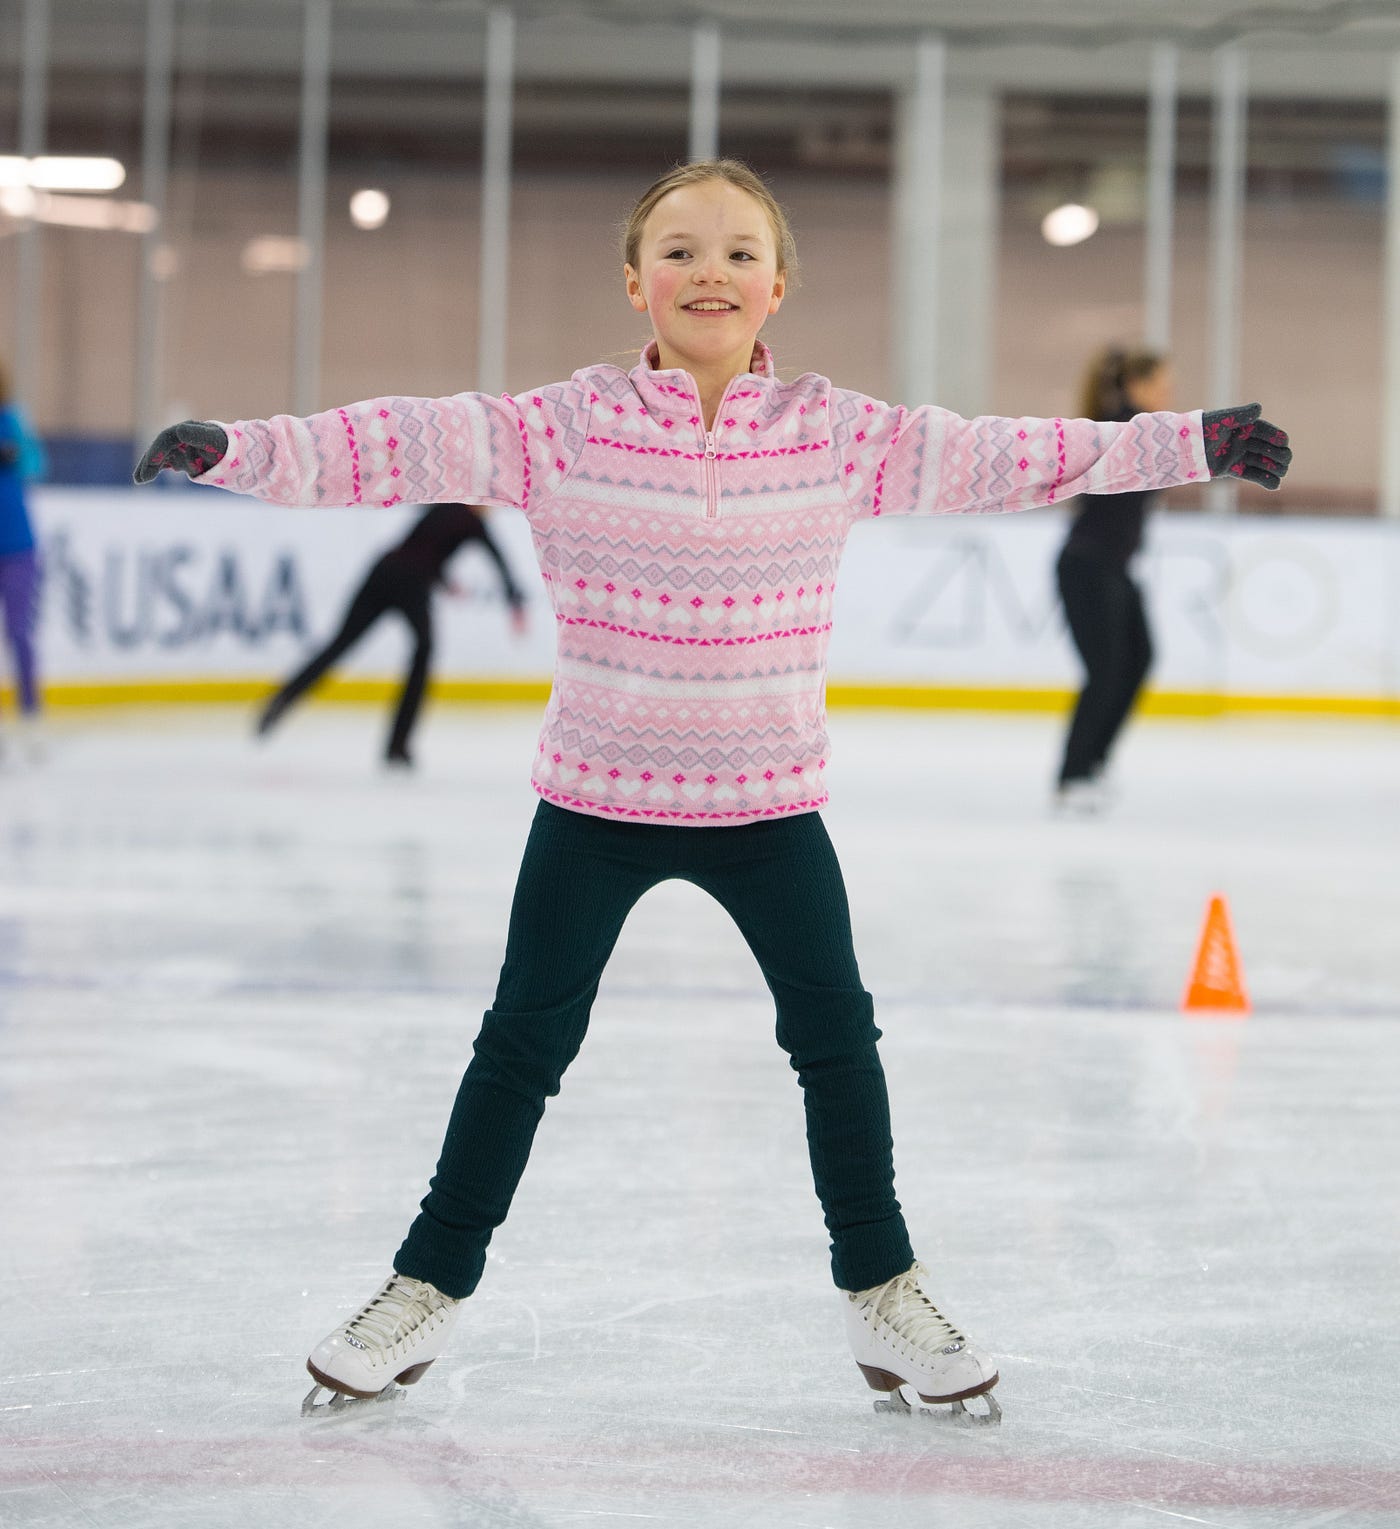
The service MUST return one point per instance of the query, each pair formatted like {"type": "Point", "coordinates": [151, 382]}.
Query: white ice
{"type": "Point", "coordinates": [238, 985]}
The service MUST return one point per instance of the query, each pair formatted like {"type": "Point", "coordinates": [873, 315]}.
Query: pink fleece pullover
{"type": "Point", "coordinates": [692, 572]}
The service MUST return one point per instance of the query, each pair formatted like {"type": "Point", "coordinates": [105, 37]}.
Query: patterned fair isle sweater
{"type": "Point", "coordinates": [692, 572]}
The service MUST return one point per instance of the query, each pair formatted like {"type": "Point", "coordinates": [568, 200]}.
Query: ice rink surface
{"type": "Point", "coordinates": [238, 985]}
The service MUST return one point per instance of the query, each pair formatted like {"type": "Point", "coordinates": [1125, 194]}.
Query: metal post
{"type": "Point", "coordinates": [495, 200]}
{"type": "Point", "coordinates": [704, 91]}
{"type": "Point", "coordinates": [918, 223]}
{"type": "Point", "coordinates": [1390, 413]}
{"type": "Point", "coordinates": [311, 203]}
{"type": "Point", "coordinates": [155, 174]}
{"type": "Point", "coordinates": [1161, 178]}
{"type": "Point", "coordinates": [1227, 244]}
{"type": "Point", "coordinates": [29, 287]}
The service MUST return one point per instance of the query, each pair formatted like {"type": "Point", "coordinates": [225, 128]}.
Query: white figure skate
{"type": "Point", "coordinates": [1090, 798]}
{"type": "Point", "coordinates": [908, 1349]}
{"type": "Point", "coordinates": [26, 743]}
{"type": "Point", "coordinates": [388, 1344]}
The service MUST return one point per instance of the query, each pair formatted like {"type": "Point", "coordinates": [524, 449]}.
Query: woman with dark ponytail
{"type": "Point", "coordinates": [1103, 605]}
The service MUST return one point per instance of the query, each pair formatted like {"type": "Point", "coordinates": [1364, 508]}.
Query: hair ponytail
{"type": "Point", "coordinates": [1104, 391]}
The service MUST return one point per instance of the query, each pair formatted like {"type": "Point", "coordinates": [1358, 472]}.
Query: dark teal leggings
{"type": "Point", "coordinates": [780, 882]}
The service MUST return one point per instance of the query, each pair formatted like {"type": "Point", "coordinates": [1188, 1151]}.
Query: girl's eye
{"type": "Point", "coordinates": [677, 254]}
{"type": "Point", "coordinates": [742, 255]}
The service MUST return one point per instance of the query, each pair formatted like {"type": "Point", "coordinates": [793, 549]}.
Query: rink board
{"type": "Point", "coordinates": [182, 594]}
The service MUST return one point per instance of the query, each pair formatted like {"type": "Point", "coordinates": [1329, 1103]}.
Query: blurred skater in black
{"type": "Point", "coordinates": [402, 580]}
{"type": "Point", "coordinates": [1103, 605]}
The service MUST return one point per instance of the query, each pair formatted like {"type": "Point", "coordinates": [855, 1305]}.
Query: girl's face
{"type": "Point", "coordinates": [1152, 394]}
{"type": "Point", "coordinates": [708, 277]}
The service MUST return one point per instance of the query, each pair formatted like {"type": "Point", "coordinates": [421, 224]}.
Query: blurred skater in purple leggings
{"type": "Point", "coordinates": [21, 461]}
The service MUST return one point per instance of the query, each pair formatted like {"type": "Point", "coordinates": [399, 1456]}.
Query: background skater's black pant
{"type": "Point", "coordinates": [1108, 623]}
{"type": "Point", "coordinates": [389, 586]}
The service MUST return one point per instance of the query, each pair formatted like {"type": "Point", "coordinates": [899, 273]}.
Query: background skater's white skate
{"type": "Point", "coordinates": [392, 1340]}
{"type": "Point", "coordinates": [908, 1349]}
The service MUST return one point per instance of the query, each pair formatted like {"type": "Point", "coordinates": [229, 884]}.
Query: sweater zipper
{"type": "Point", "coordinates": [712, 458]}
{"type": "Point", "coordinates": [711, 478]}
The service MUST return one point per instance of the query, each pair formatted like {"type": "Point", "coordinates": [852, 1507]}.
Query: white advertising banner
{"type": "Point", "coordinates": [1241, 606]}
{"type": "Point", "coordinates": [193, 584]}
{"type": "Point", "coordinates": [188, 584]}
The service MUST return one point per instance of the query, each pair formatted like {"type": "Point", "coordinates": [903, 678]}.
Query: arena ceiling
{"type": "Point", "coordinates": [1337, 48]}
{"type": "Point", "coordinates": [991, 23]}
{"type": "Point", "coordinates": [1200, 23]}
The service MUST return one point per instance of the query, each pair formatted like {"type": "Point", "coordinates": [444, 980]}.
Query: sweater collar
{"type": "Point", "coordinates": [647, 368]}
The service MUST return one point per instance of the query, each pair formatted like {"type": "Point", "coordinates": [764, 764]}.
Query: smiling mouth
{"type": "Point", "coordinates": [710, 306]}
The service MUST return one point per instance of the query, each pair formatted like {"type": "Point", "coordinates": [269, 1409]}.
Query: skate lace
{"type": "Point", "coordinates": [904, 1306]}
{"type": "Point", "coordinates": [400, 1309]}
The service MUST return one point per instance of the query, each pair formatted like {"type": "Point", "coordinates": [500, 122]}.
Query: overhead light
{"type": "Point", "coordinates": [80, 212]}
{"type": "Point", "coordinates": [369, 208]}
{"type": "Point", "coordinates": [17, 201]}
{"type": "Point", "coordinates": [272, 253]}
{"type": "Point", "coordinates": [22, 202]}
{"type": "Point", "coordinates": [1070, 224]}
{"type": "Point", "coordinates": [61, 172]}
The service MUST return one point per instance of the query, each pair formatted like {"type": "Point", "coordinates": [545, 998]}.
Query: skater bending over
{"type": "Point", "coordinates": [402, 580]}
{"type": "Point", "coordinates": [696, 505]}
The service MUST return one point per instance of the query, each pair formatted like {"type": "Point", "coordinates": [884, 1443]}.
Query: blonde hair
{"type": "Point", "coordinates": [1103, 394]}
{"type": "Point", "coordinates": [697, 173]}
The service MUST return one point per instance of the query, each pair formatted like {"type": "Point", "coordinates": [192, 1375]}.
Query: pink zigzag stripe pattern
{"type": "Point", "coordinates": [692, 642]}
{"type": "Point", "coordinates": [524, 450]}
{"type": "Point", "coordinates": [699, 456]}
{"type": "Point", "coordinates": [1059, 459]}
{"type": "Point", "coordinates": [354, 454]}
{"type": "Point", "coordinates": [880, 471]}
{"type": "Point", "coordinates": [709, 583]}
{"type": "Point", "coordinates": [676, 815]}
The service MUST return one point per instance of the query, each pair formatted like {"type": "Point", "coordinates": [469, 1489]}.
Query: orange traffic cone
{"type": "Point", "coordinates": [1216, 982]}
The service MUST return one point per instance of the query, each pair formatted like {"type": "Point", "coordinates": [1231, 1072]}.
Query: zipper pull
{"type": "Point", "coordinates": [710, 444]}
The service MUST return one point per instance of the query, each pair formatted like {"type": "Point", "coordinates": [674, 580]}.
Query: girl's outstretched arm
{"type": "Point", "coordinates": [897, 461]}
{"type": "Point", "coordinates": [383, 451]}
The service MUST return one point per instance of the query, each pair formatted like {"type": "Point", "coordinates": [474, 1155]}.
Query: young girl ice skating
{"type": "Point", "coordinates": [689, 517]}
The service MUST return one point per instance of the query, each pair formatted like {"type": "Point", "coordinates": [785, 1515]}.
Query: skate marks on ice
{"type": "Point", "coordinates": [835, 1464]}
{"type": "Point", "coordinates": [501, 1465]}
{"type": "Point", "coordinates": [242, 1467]}
{"type": "Point", "coordinates": [186, 1073]}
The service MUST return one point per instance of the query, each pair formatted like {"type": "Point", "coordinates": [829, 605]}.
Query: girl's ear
{"type": "Point", "coordinates": [635, 295]}
{"type": "Point", "coordinates": [779, 288]}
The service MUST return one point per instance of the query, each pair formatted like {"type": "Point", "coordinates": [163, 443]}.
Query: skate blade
{"type": "Point", "coordinates": [897, 1403]}
{"type": "Point", "coordinates": [340, 1404]}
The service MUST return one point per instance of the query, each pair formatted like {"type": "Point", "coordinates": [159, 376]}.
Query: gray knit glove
{"type": "Point", "coordinates": [1242, 445]}
{"type": "Point", "coordinates": [193, 446]}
